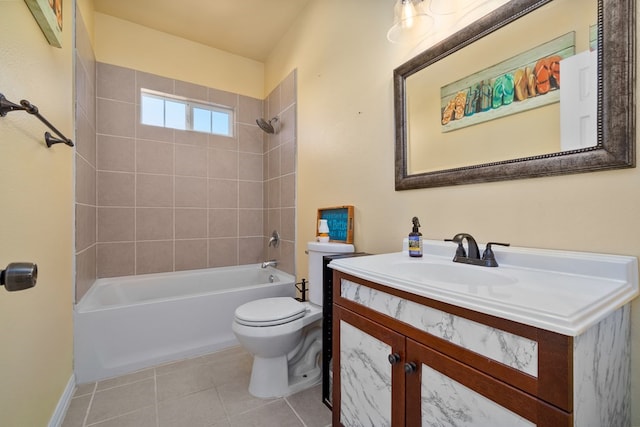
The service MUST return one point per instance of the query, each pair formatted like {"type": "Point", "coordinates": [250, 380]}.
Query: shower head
{"type": "Point", "coordinates": [267, 126]}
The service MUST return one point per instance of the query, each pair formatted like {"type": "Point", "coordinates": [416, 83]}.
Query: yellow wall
{"type": "Point", "coordinates": [346, 152]}
{"type": "Point", "coordinates": [36, 219]}
{"type": "Point", "coordinates": [123, 43]}
{"type": "Point", "coordinates": [87, 9]}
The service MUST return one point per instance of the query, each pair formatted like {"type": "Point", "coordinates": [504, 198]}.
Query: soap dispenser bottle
{"type": "Point", "coordinates": [415, 239]}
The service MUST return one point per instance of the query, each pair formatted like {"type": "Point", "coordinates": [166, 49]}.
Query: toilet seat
{"type": "Point", "coordinates": [270, 312]}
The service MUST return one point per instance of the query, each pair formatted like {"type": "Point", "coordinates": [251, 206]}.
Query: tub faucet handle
{"type": "Point", "coordinates": [274, 240]}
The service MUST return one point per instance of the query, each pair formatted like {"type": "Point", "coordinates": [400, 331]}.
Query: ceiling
{"type": "Point", "coordinates": [249, 28]}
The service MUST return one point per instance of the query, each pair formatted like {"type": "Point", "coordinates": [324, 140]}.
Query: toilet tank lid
{"type": "Point", "coordinates": [330, 247]}
{"type": "Point", "coordinates": [269, 309]}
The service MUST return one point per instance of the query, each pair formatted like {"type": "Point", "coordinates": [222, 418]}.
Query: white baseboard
{"type": "Point", "coordinates": [63, 404]}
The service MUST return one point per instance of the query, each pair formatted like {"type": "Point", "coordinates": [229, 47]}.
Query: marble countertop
{"type": "Point", "coordinates": [560, 291]}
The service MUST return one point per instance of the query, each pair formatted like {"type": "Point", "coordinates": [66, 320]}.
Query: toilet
{"type": "Point", "coordinates": [284, 335]}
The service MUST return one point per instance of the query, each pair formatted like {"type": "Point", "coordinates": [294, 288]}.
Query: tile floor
{"type": "Point", "coordinates": [207, 391]}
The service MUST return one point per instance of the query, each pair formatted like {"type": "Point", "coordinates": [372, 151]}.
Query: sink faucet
{"type": "Point", "coordinates": [488, 257]}
{"type": "Point", "coordinates": [270, 263]}
{"type": "Point", "coordinates": [474, 252]}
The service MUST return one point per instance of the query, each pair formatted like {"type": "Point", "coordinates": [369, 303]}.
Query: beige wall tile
{"type": "Point", "coordinates": [273, 222]}
{"type": "Point", "coordinates": [250, 194]}
{"type": "Point", "coordinates": [288, 157]}
{"type": "Point", "coordinates": [153, 82]}
{"type": "Point", "coordinates": [250, 223]}
{"type": "Point", "coordinates": [223, 142]}
{"type": "Point", "coordinates": [115, 118]}
{"type": "Point", "coordinates": [190, 254]}
{"type": "Point", "coordinates": [85, 182]}
{"type": "Point", "coordinates": [117, 83]}
{"type": "Point", "coordinates": [288, 191]}
{"type": "Point", "coordinates": [249, 109]}
{"type": "Point", "coordinates": [223, 252]}
{"type": "Point", "coordinates": [250, 167]}
{"type": "Point", "coordinates": [273, 162]}
{"type": "Point", "coordinates": [191, 223]}
{"type": "Point", "coordinates": [221, 97]}
{"type": "Point", "coordinates": [115, 224]}
{"type": "Point", "coordinates": [115, 189]}
{"type": "Point", "coordinates": [288, 125]}
{"type": "Point", "coordinates": [85, 139]}
{"type": "Point", "coordinates": [190, 192]}
{"type": "Point", "coordinates": [154, 157]}
{"type": "Point", "coordinates": [200, 139]}
{"type": "Point", "coordinates": [154, 257]}
{"type": "Point", "coordinates": [115, 259]}
{"type": "Point", "coordinates": [223, 193]}
{"type": "Point", "coordinates": [223, 164]}
{"type": "Point", "coordinates": [191, 160]}
{"type": "Point", "coordinates": [223, 223]}
{"type": "Point", "coordinates": [288, 223]}
{"type": "Point", "coordinates": [272, 103]}
{"type": "Point", "coordinates": [85, 226]}
{"type": "Point", "coordinates": [273, 188]}
{"type": "Point", "coordinates": [116, 153]}
{"type": "Point", "coordinates": [154, 224]}
{"type": "Point", "coordinates": [153, 133]}
{"type": "Point", "coordinates": [154, 190]}
{"type": "Point", "coordinates": [85, 271]}
{"type": "Point", "coordinates": [250, 250]}
{"type": "Point", "coordinates": [250, 139]}
{"type": "Point", "coordinates": [191, 90]}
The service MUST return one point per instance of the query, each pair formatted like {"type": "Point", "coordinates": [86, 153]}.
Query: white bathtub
{"type": "Point", "coordinates": [124, 324]}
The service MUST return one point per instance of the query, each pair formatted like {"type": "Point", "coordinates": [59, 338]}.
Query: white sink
{"type": "Point", "coordinates": [561, 291]}
{"type": "Point", "coordinates": [452, 273]}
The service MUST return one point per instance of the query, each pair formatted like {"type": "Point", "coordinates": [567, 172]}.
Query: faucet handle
{"type": "Point", "coordinates": [460, 252]}
{"type": "Point", "coordinates": [489, 256]}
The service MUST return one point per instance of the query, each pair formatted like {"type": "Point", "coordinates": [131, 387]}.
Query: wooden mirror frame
{"type": "Point", "coordinates": [616, 102]}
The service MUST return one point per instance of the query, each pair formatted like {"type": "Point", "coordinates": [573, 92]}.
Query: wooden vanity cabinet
{"type": "Point", "coordinates": [388, 371]}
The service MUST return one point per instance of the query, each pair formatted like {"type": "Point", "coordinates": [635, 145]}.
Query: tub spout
{"type": "Point", "coordinates": [271, 263]}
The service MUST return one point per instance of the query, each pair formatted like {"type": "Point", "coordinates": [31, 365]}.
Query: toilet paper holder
{"type": "Point", "coordinates": [19, 276]}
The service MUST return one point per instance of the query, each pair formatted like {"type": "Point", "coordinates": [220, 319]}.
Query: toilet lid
{"type": "Point", "coordinates": [269, 311]}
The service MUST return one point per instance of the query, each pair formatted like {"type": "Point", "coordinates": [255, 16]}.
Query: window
{"type": "Point", "coordinates": [159, 109]}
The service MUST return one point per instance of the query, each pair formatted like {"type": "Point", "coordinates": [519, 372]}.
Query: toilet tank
{"type": "Point", "coordinates": [316, 251]}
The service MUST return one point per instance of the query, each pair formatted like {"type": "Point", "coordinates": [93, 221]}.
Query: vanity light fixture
{"type": "Point", "coordinates": [411, 22]}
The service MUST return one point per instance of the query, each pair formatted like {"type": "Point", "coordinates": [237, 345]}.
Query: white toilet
{"type": "Point", "coordinates": [285, 335]}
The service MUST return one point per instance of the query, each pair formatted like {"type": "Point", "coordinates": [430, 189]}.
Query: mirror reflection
{"type": "Point", "coordinates": [500, 98]}
{"type": "Point", "coordinates": [534, 88]}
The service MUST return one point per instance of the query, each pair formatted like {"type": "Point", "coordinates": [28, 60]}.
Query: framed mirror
{"type": "Point", "coordinates": [488, 103]}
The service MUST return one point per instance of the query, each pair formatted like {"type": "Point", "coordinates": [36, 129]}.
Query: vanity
{"type": "Point", "coordinates": [541, 340]}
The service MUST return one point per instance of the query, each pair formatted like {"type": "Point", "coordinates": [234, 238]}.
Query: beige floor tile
{"type": "Point", "coordinates": [275, 414]}
{"type": "Point", "coordinates": [180, 364]}
{"type": "Point", "coordinates": [77, 411]}
{"type": "Point", "coordinates": [232, 369]}
{"type": "Point", "coordinates": [237, 399]}
{"type": "Point", "coordinates": [184, 381]}
{"type": "Point", "coordinates": [308, 405]}
{"type": "Point", "coordinates": [195, 410]}
{"type": "Point", "coordinates": [121, 400]}
{"type": "Point", "coordinates": [145, 417]}
{"type": "Point", "coordinates": [125, 379]}
{"type": "Point", "coordinates": [83, 389]}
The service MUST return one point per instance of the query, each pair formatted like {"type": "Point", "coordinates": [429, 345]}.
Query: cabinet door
{"type": "Point", "coordinates": [444, 392]}
{"type": "Point", "coordinates": [369, 389]}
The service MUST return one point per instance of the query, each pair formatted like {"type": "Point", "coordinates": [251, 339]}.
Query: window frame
{"type": "Point", "coordinates": [190, 105]}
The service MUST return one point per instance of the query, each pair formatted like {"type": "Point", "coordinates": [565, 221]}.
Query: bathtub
{"type": "Point", "coordinates": [124, 324]}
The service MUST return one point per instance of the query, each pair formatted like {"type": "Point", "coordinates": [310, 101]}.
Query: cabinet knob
{"type": "Point", "coordinates": [410, 367]}
{"type": "Point", "coordinates": [394, 358]}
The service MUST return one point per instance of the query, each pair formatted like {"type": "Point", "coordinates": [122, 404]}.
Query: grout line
{"type": "Point", "coordinates": [86, 415]}
{"type": "Point", "coordinates": [295, 412]}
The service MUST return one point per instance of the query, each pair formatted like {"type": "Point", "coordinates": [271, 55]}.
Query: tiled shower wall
{"type": "Point", "coordinates": [85, 140]}
{"type": "Point", "coordinates": [280, 172]}
{"type": "Point", "coordinates": [151, 199]}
